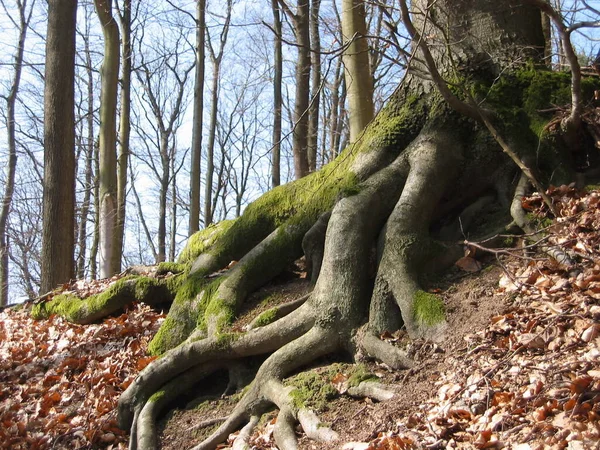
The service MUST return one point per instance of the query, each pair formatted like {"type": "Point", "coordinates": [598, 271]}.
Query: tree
{"type": "Point", "coordinates": [393, 204]}
{"type": "Point", "coordinates": [301, 24]}
{"type": "Point", "coordinates": [277, 96]}
{"type": "Point", "coordinates": [196, 152]}
{"type": "Point", "coordinates": [22, 25]}
{"type": "Point", "coordinates": [357, 69]}
{"type": "Point", "coordinates": [58, 239]}
{"type": "Point", "coordinates": [110, 253]}
{"type": "Point", "coordinates": [216, 57]}
{"type": "Point", "coordinates": [124, 127]}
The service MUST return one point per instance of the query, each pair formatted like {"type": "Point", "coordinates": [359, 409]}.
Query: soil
{"type": "Point", "coordinates": [470, 301]}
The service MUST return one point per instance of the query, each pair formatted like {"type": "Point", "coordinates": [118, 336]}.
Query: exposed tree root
{"type": "Point", "coordinates": [241, 442]}
{"type": "Point", "coordinates": [371, 389]}
{"type": "Point", "coordinates": [277, 312]}
{"type": "Point", "coordinates": [520, 218]}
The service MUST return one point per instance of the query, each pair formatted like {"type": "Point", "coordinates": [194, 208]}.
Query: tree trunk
{"type": "Point", "coordinates": [359, 80]}
{"type": "Point", "coordinates": [109, 202]}
{"type": "Point", "coordinates": [277, 97]}
{"type": "Point", "coordinates": [124, 129]}
{"type": "Point", "coordinates": [216, 57]}
{"type": "Point", "coordinates": [58, 235]}
{"type": "Point", "coordinates": [315, 98]}
{"type": "Point", "coordinates": [196, 151]}
{"type": "Point", "coordinates": [89, 189]}
{"type": "Point", "coordinates": [301, 21]}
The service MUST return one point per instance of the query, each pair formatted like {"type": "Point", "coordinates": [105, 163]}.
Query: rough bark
{"type": "Point", "coordinates": [58, 234]}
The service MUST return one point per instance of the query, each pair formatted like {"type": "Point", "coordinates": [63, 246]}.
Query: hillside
{"type": "Point", "coordinates": [519, 368]}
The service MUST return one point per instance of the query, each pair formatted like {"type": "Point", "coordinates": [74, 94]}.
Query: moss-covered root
{"type": "Point", "coordinates": [268, 387]}
{"type": "Point", "coordinates": [406, 240]}
{"type": "Point", "coordinates": [224, 348]}
{"type": "Point", "coordinates": [276, 313]}
{"type": "Point", "coordinates": [116, 297]}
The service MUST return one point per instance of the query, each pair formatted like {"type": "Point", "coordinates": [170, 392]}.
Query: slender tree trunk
{"type": "Point", "coordinates": [96, 238]}
{"type": "Point", "coordinates": [173, 236]}
{"type": "Point", "coordinates": [124, 129]}
{"type": "Point", "coordinates": [196, 151]}
{"type": "Point", "coordinates": [216, 58]}
{"type": "Point", "coordinates": [58, 235]}
{"type": "Point", "coordinates": [11, 167]}
{"type": "Point", "coordinates": [109, 253]}
{"type": "Point", "coordinates": [315, 103]}
{"type": "Point", "coordinates": [277, 97]}
{"type": "Point", "coordinates": [210, 150]}
{"type": "Point", "coordinates": [300, 133]}
{"type": "Point", "coordinates": [359, 81]}
{"type": "Point", "coordinates": [89, 161]}
{"type": "Point", "coordinates": [164, 191]}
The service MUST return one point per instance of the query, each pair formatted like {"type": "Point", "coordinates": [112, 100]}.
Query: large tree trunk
{"type": "Point", "coordinates": [58, 238]}
{"type": "Point", "coordinates": [365, 222]}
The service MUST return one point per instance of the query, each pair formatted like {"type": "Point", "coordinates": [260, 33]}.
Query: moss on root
{"type": "Point", "coordinates": [428, 309]}
{"type": "Point", "coordinates": [266, 318]}
{"type": "Point", "coordinates": [311, 390]}
{"type": "Point", "coordinates": [202, 241]}
{"type": "Point", "coordinates": [119, 294]}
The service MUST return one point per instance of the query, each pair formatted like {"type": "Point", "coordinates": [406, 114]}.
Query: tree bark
{"type": "Point", "coordinates": [315, 98]}
{"type": "Point", "coordinates": [58, 235]}
{"type": "Point", "coordinates": [109, 248]}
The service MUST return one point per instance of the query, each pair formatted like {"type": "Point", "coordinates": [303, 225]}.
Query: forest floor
{"type": "Point", "coordinates": [519, 367]}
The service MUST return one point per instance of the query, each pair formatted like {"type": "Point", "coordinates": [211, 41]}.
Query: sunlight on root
{"type": "Point", "coordinates": [242, 440]}
{"type": "Point", "coordinates": [372, 390]}
{"type": "Point", "coordinates": [314, 428]}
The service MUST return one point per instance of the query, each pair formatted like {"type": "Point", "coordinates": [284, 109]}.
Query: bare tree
{"type": "Point", "coordinates": [22, 25]}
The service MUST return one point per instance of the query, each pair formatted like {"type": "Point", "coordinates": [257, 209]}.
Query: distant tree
{"type": "Point", "coordinates": [277, 96]}
{"type": "Point", "coordinates": [314, 108]}
{"type": "Point", "coordinates": [110, 254]}
{"type": "Point", "coordinates": [124, 126]}
{"type": "Point", "coordinates": [216, 57]}
{"type": "Point", "coordinates": [196, 152]}
{"type": "Point", "coordinates": [22, 25]}
{"type": "Point", "coordinates": [59, 142]}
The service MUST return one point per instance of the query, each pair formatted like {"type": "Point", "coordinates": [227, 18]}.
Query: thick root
{"type": "Point", "coordinates": [387, 353]}
{"type": "Point", "coordinates": [372, 390]}
{"type": "Point", "coordinates": [261, 341]}
{"type": "Point", "coordinates": [406, 239]}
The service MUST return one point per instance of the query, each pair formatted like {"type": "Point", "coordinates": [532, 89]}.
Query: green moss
{"type": "Point", "coordinates": [359, 374]}
{"type": "Point", "coordinates": [311, 390]}
{"type": "Point", "coordinates": [183, 315]}
{"type": "Point", "coordinates": [172, 267]}
{"type": "Point", "coordinates": [224, 340]}
{"type": "Point", "coordinates": [428, 309]}
{"type": "Point", "coordinates": [202, 241]}
{"type": "Point", "coordinates": [266, 317]}
{"type": "Point", "coordinates": [157, 396]}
